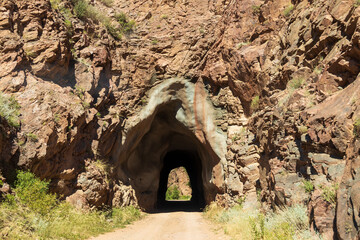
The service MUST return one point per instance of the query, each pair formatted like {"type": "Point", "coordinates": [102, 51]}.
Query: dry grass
{"type": "Point", "coordinates": [239, 223]}
{"type": "Point", "coordinates": [62, 222]}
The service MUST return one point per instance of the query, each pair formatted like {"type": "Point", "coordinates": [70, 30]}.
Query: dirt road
{"type": "Point", "coordinates": [168, 226]}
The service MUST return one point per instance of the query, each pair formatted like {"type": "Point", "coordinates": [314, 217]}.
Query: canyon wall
{"type": "Point", "coordinates": [264, 94]}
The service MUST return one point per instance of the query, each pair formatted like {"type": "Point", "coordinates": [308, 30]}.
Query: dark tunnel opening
{"type": "Point", "coordinates": [191, 161]}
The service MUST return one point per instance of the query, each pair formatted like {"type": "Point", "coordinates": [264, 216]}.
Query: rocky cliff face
{"type": "Point", "coordinates": [264, 95]}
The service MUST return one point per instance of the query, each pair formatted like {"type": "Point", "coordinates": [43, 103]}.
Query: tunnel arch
{"type": "Point", "coordinates": [177, 117]}
{"type": "Point", "coordinates": [191, 162]}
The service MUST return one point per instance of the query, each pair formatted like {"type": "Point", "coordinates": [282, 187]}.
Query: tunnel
{"type": "Point", "coordinates": [192, 163]}
{"type": "Point", "coordinates": [175, 128]}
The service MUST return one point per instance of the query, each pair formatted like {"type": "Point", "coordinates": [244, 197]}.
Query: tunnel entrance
{"type": "Point", "coordinates": [192, 163]}
{"type": "Point", "coordinates": [176, 128]}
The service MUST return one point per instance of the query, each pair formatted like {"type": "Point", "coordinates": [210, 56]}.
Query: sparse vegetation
{"type": "Point", "coordinates": [10, 110]}
{"type": "Point", "coordinates": [288, 10]}
{"type": "Point", "coordinates": [126, 25]}
{"type": "Point", "coordinates": [238, 135]}
{"type": "Point", "coordinates": [329, 193]}
{"type": "Point", "coordinates": [172, 193]}
{"type": "Point", "coordinates": [154, 42]}
{"type": "Point", "coordinates": [296, 83]}
{"type": "Point", "coordinates": [308, 186]}
{"type": "Point", "coordinates": [164, 16]}
{"type": "Point", "coordinates": [255, 103]}
{"type": "Point", "coordinates": [102, 165]}
{"type": "Point", "coordinates": [318, 70]}
{"type": "Point", "coordinates": [33, 213]}
{"type": "Point", "coordinates": [84, 10]}
{"type": "Point", "coordinates": [357, 128]}
{"type": "Point", "coordinates": [32, 137]}
{"type": "Point", "coordinates": [357, 3]}
{"type": "Point", "coordinates": [31, 54]}
{"type": "Point", "coordinates": [56, 117]}
{"type": "Point", "coordinates": [240, 45]}
{"type": "Point", "coordinates": [66, 12]}
{"type": "Point", "coordinates": [256, 9]}
{"type": "Point", "coordinates": [302, 129]}
{"type": "Point", "coordinates": [80, 92]}
{"type": "Point", "coordinates": [112, 30]}
{"type": "Point", "coordinates": [239, 223]}
{"type": "Point", "coordinates": [184, 197]}
{"type": "Point", "coordinates": [20, 143]}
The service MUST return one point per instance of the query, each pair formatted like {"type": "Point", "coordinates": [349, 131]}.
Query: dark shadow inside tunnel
{"type": "Point", "coordinates": [191, 161]}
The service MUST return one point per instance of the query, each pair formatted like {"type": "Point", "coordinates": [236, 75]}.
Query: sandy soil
{"type": "Point", "coordinates": [167, 226]}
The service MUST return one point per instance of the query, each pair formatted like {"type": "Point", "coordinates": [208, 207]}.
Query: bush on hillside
{"type": "Point", "coordinates": [10, 110]}
{"type": "Point", "coordinates": [172, 193]}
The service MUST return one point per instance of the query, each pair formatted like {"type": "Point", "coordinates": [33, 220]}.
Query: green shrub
{"type": "Point", "coordinates": [112, 30]}
{"type": "Point", "coordinates": [357, 3]}
{"type": "Point", "coordinates": [329, 193]}
{"type": "Point", "coordinates": [288, 10]}
{"type": "Point", "coordinates": [256, 9]}
{"type": "Point", "coordinates": [126, 24]}
{"type": "Point", "coordinates": [308, 186]}
{"type": "Point", "coordinates": [318, 70]}
{"type": "Point", "coordinates": [164, 16]}
{"type": "Point", "coordinates": [296, 83]}
{"type": "Point", "coordinates": [32, 137]}
{"type": "Point", "coordinates": [84, 10]}
{"type": "Point", "coordinates": [172, 193]}
{"type": "Point", "coordinates": [68, 24]}
{"type": "Point", "coordinates": [81, 8]}
{"type": "Point", "coordinates": [240, 45]}
{"type": "Point", "coordinates": [184, 197]}
{"type": "Point", "coordinates": [255, 103]}
{"type": "Point", "coordinates": [357, 128]}
{"type": "Point", "coordinates": [10, 110]}
{"type": "Point", "coordinates": [33, 192]}
{"type": "Point", "coordinates": [258, 226]}
{"type": "Point", "coordinates": [121, 17]}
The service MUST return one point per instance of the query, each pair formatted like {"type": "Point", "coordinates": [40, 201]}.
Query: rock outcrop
{"type": "Point", "coordinates": [262, 96]}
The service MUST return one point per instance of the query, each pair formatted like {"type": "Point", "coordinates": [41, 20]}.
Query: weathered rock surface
{"type": "Point", "coordinates": [268, 101]}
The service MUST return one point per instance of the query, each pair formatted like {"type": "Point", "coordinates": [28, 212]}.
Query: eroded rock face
{"type": "Point", "coordinates": [266, 102]}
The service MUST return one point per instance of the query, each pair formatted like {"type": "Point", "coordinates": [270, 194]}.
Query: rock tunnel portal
{"type": "Point", "coordinates": [192, 163]}
{"type": "Point", "coordinates": [174, 129]}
